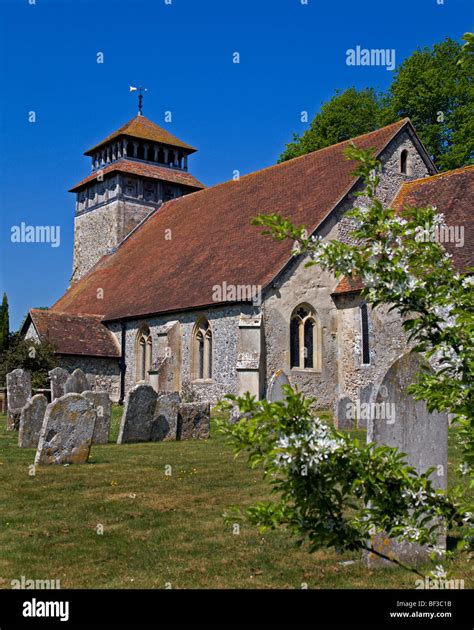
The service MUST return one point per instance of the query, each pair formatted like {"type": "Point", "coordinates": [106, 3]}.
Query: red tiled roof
{"type": "Point", "coordinates": [145, 129]}
{"type": "Point", "coordinates": [212, 239]}
{"type": "Point", "coordinates": [75, 334]}
{"type": "Point", "coordinates": [145, 170]}
{"type": "Point", "coordinates": [452, 193]}
{"type": "Point", "coordinates": [346, 285]}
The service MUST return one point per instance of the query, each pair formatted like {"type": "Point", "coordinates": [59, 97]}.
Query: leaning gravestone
{"type": "Point", "coordinates": [31, 421]}
{"type": "Point", "coordinates": [66, 434]}
{"type": "Point", "coordinates": [139, 411]}
{"type": "Point", "coordinates": [76, 383]}
{"type": "Point", "coordinates": [165, 421]}
{"type": "Point", "coordinates": [57, 379]}
{"type": "Point", "coordinates": [18, 394]}
{"type": "Point", "coordinates": [103, 406]}
{"type": "Point", "coordinates": [407, 425]}
{"type": "Point", "coordinates": [193, 421]}
{"type": "Point", "coordinates": [275, 388]}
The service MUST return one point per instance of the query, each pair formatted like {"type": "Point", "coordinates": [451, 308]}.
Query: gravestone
{"type": "Point", "coordinates": [31, 421]}
{"type": "Point", "coordinates": [193, 421]}
{"type": "Point", "coordinates": [76, 383]}
{"type": "Point", "coordinates": [139, 411]}
{"type": "Point", "coordinates": [66, 434]}
{"type": "Point", "coordinates": [165, 421]}
{"type": "Point", "coordinates": [422, 436]}
{"type": "Point", "coordinates": [103, 406]}
{"type": "Point", "coordinates": [275, 388]}
{"type": "Point", "coordinates": [57, 379]}
{"type": "Point", "coordinates": [18, 394]}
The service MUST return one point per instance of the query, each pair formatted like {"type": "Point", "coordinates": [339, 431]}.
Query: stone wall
{"type": "Point", "coordinates": [224, 322]}
{"type": "Point", "coordinates": [102, 373]}
{"type": "Point", "coordinates": [100, 230]}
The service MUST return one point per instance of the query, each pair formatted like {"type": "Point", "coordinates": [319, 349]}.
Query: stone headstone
{"type": "Point", "coordinates": [57, 379]}
{"type": "Point", "coordinates": [18, 394]}
{"type": "Point", "coordinates": [193, 421]}
{"type": "Point", "coordinates": [31, 421]}
{"type": "Point", "coordinates": [398, 420]}
{"type": "Point", "coordinates": [76, 383]}
{"type": "Point", "coordinates": [275, 388]}
{"type": "Point", "coordinates": [165, 421]}
{"type": "Point", "coordinates": [138, 415]}
{"type": "Point", "coordinates": [344, 419]}
{"type": "Point", "coordinates": [66, 434]}
{"type": "Point", "coordinates": [103, 406]}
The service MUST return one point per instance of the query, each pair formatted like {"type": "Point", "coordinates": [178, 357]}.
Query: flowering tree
{"type": "Point", "coordinates": [333, 491]}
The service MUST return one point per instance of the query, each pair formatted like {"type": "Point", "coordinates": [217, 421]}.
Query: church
{"type": "Point", "coordinates": [172, 284]}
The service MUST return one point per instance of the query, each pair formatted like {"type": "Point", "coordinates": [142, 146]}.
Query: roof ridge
{"type": "Point", "coordinates": [401, 123]}
{"type": "Point", "coordinates": [430, 178]}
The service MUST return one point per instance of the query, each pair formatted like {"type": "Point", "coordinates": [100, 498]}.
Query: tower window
{"type": "Point", "coordinates": [201, 367]}
{"type": "Point", "coordinates": [404, 162]}
{"type": "Point", "coordinates": [364, 317]}
{"type": "Point", "coordinates": [305, 339]}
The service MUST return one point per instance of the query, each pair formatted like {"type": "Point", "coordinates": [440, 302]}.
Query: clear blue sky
{"type": "Point", "coordinates": [293, 57]}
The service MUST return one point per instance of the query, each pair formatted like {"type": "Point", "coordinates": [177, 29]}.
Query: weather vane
{"type": "Point", "coordinates": [140, 91]}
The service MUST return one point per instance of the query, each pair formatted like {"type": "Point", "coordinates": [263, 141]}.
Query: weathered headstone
{"type": "Point", "coordinates": [275, 387]}
{"type": "Point", "coordinates": [398, 420]}
{"type": "Point", "coordinates": [193, 421]}
{"type": "Point", "coordinates": [76, 383]}
{"type": "Point", "coordinates": [57, 379]}
{"type": "Point", "coordinates": [165, 421]}
{"type": "Point", "coordinates": [103, 406]}
{"type": "Point", "coordinates": [31, 421]}
{"type": "Point", "coordinates": [66, 434]}
{"type": "Point", "coordinates": [18, 394]}
{"type": "Point", "coordinates": [138, 414]}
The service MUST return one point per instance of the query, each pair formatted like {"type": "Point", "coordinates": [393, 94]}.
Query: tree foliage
{"type": "Point", "coordinates": [37, 358]}
{"type": "Point", "coordinates": [4, 323]}
{"type": "Point", "coordinates": [433, 87]}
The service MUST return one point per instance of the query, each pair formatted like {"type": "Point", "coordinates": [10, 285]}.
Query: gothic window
{"type": "Point", "coordinates": [149, 191]}
{"type": "Point", "coordinates": [364, 321]}
{"type": "Point", "coordinates": [130, 187]}
{"type": "Point", "coordinates": [201, 367]}
{"type": "Point", "coordinates": [305, 339]}
{"type": "Point", "coordinates": [143, 354]}
{"type": "Point", "coordinates": [404, 162]}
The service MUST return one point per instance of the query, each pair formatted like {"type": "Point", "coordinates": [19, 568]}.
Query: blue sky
{"type": "Point", "coordinates": [239, 116]}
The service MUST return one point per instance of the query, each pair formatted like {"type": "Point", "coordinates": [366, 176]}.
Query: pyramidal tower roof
{"type": "Point", "coordinates": [143, 128]}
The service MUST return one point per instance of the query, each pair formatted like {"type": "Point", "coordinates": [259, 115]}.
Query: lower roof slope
{"type": "Point", "coordinates": [212, 238]}
{"type": "Point", "coordinates": [74, 334]}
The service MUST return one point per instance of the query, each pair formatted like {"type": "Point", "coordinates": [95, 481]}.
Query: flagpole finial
{"type": "Point", "coordinates": [140, 91]}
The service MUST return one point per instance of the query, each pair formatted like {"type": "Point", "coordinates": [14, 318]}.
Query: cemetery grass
{"type": "Point", "coordinates": [158, 530]}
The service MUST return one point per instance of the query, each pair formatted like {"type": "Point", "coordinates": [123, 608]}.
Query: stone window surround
{"type": "Point", "coordinates": [317, 340]}
{"type": "Point", "coordinates": [202, 333]}
{"type": "Point", "coordinates": [363, 305]}
{"type": "Point", "coordinates": [143, 353]}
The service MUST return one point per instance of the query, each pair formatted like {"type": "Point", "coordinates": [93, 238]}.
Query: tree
{"type": "Point", "coordinates": [4, 323]}
{"type": "Point", "coordinates": [436, 92]}
{"type": "Point", "coordinates": [348, 114]}
{"type": "Point", "coordinates": [35, 357]}
{"type": "Point", "coordinates": [433, 87]}
{"type": "Point", "coordinates": [331, 490]}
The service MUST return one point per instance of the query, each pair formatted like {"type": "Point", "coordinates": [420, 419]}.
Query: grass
{"type": "Point", "coordinates": [157, 529]}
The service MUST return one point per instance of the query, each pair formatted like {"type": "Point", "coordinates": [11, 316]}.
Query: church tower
{"type": "Point", "coordinates": [134, 171]}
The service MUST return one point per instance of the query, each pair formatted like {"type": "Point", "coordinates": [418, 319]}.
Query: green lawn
{"type": "Point", "coordinates": [157, 529]}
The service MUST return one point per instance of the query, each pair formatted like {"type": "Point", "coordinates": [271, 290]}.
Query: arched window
{"type": "Point", "coordinates": [364, 325]}
{"type": "Point", "coordinates": [404, 162]}
{"type": "Point", "coordinates": [143, 354]}
{"type": "Point", "coordinates": [161, 156]}
{"type": "Point", "coordinates": [305, 339]}
{"type": "Point", "coordinates": [141, 152]}
{"type": "Point", "coordinates": [202, 351]}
